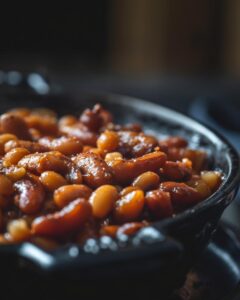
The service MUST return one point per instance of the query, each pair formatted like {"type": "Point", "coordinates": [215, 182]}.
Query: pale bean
{"type": "Point", "coordinates": [147, 180]}
{"type": "Point", "coordinates": [129, 207]}
{"type": "Point", "coordinates": [13, 156]}
{"type": "Point", "coordinates": [52, 180]}
{"type": "Point", "coordinates": [67, 193]}
{"type": "Point", "coordinates": [103, 200]}
{"type": "Point", "coordinates": [18, 230]}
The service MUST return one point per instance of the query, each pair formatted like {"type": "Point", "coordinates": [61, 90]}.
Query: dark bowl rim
{"type": "Point", "coordinates": [230, 183]}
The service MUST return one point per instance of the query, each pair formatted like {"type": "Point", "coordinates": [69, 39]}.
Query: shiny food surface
{"type": "Point", "coordinates": [73, 178]}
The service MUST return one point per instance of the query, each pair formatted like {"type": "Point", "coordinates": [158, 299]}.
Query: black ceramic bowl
{"type": "Point", "coordinates": [169, 247]}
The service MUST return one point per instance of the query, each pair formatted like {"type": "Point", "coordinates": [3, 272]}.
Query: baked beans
{"type": "Point", "coordinates": [79, 177]}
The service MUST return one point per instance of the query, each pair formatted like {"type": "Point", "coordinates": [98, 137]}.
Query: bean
{"type": "Point", "coordinates": [108, 141]}
{"type": "Point", "coordinates": [173, 142]}
{"type": "Point", "coordinates": [74, 175]}
{"type": "Point", "coordinates": [130, 228]}
{"type": "Point", "coordinates": [159, 203]}
{"type": "Point", "coordinates": [197, 157]}
{"type": "Point", "coordinates": [128, 190]}
{"type": "Point", "coordinates": [15, 173]}
{"type": "Point", "coordinates": [49, 161]}
{"type": "Point", "coordinates": [129, 207]}
{"type": "Point", "coordinates": [94, 169]}
{"type": "Point", "coordinates": [65, 145]}
{"type": "Point", "coordinates": [5, 137]}
{"type": "Point", "coordinates": [67, 120]}
{"type": "Point", "coordinates": [6, 186]}
{"type": "Point", "coordinates": [32, 147]}
{"type": "Point", "coordinates": [146, 181]}
{"type": "Point", "coordinates": [52, 180]}
{"type": "Point", "coordinates": [80, 131]}
{"type": "Point", "coordinates": [182, 195]}
{"type": "Point", "coordinates": [13, 156]}
{"type": "Point", "coordinates": [135, 144]}
{"type": "Point", "coordinates": [45, 124]}
{"type": "Point", "coordinates": [110, 230]}
{"type": "Point", "coordinates": [67, 193]}
{"type": "Point", "coordinates": [103, 200]}
{"type": "Point", "coordinates": [212, 179]}
{"type": "Point", "coordinates": [70, 218]}
{"type": "Point", "coordinates": [15, 125]}
{"type": "Point", "coordinates": [30, 196]}
{"type": "Point", "coordinates": [112, 156]}
{"type": "Point", "coordinates": [126, 170]}
{"type": "Point", "coordinates": [18, 230]}
{"type": "Point", "coordinates": [177, 171]}
{"type": "Point", "coordinates": [91, 119]}
{"type": "Point", "coordinates": [200, 186]}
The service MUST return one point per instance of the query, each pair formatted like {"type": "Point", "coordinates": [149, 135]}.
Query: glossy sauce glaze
{"type": "Point", "coordinates": [70, 179]}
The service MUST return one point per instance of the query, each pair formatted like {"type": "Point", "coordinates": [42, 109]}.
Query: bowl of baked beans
{"type": "Point", "coordinates": [106, 179]}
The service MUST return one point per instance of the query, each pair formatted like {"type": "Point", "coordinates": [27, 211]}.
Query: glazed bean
{"type": "Point", "coordinates": [146, 181]}
{"type": "Point", "coordinates": [110, 230]}
{"type": "Point", "coordinates": [65, 145]}
{"type": "Point", "coordinates": [48, 161]}
{"type": "Point", "coordinates": [182, 195]}
{"type": "Point", "coordinates": [128, 190]}
{"type": "Point", "coordinates": [130, 228]}
{"type": "Point", "coordinates": [177, 171]}
{"type": "Point", "coordinates": [67, 120]}
{"type": "Point", "coordinates": [74, 175]}
{"type": "Point", "coordinates": [159, 203]}
{"type": "Point", "coordinates": [52, 180]}
{"type": "Point", "coordinates": [112, 156]}
{"type": "Point", "coordinates": [197, 157]}
{"type": "Point", "coordinates": [6, 186]}
{"type": "Point", "coordinates": [32, 147]}
{"type": "Point", "coordinates": [80, 131]}
{"type": "Point", "coordinates": [173, 142]}
{"type": "Point", "coordinates": [5, 137]}
{"type": "Point", "coordinates": [44, 124]}
{"type": "Point", "coordinates": [13, 156]}
{"type": "Point", "coordinates": [94, 169]}
{"type": "Point", "coordinates": [92, 119]}
{"type": "Point", "coordinates": [129, 207]}
{"type": "Point", "coordinates": [126, 170]}
{"type": "Point", "coordinates": [67, 193]}
{"type": "Point", "coordinates": [103, 200]}
{"type": "Point", "coordinates": [212, 179]}
{"type": "Point", "coordinates": [108, 141]}
{"type": "Point", "coordinates": [30, 196]}
{"type": "Point", "coordinates": [18, 230]}
{"type": "Point", "coordinates": [15, 173]}
{"type": "Point", "coordinates": [15, 125]}
{"type": "Point", "coordinates": [70, 218]}
{"type": "Point", "coordinates": [200, 186]}
{"type": "Point", "coordinates": [134, 144]}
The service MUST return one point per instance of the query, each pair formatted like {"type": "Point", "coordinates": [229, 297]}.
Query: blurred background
{"type": "Point", "coordinates": [126, 37]}
{"type": "Point", "coordinates": [181, 53]}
